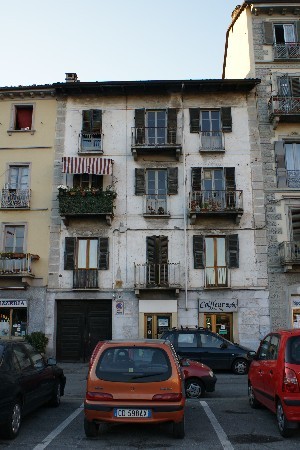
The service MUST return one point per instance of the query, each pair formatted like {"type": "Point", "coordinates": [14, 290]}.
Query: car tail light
{"type": "Point", "coordinates": [290, 382]}
{"type": "Point", "coordinates": [170, 397]}
{"type": "Point", "coordinates": [102, 396]}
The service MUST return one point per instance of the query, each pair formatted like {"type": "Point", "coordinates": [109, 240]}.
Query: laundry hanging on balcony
{"type": "Point", "coordinates": [94, 166]}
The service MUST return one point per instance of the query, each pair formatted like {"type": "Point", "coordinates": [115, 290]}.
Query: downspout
{"type": "Point", "coordinates": [184, 204]}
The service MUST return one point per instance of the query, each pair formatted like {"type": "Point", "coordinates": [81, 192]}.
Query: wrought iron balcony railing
{"type": "Point", "coordinates": [284, 106]}
{"type": "Point", "coordinates": [155, 205]}
{"type": "Point", "coordinates": [12, 263]}
{"type": "Point", "coordinates": [85, 279]}
{"type": "Point", "coordinates": [15, 198]}
{"type": "Point", "coordinates": [216, 277]}
{"type": "Point", "coordinates": [289, 50]}
{"type": "Point", "coordinates": [215, 201]}
{"type": "Point", "coordinates": [154, 136]}
{"type": "Point", "coordinates": [289, 253]}
{"type": "Point", "coordinates": [91, 142]}
{"type": "Point", "coordinates": [157, 275]}
{"type": "Point", "coordinates": [293, 179]}
{"type": "Point", "coordinates": [211, 140]}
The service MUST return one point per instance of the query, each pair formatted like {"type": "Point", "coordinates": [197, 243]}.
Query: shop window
{"type": "Point", "coordinates": [13, 322]}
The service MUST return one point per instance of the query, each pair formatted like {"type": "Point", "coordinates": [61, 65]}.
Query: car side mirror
{"type": "Point", "coordinates": [51, 362]}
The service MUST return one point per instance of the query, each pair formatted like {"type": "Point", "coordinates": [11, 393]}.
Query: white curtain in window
{"type": "Point", "coordinates": [289, 33]}
{"type": "Point", "coordinates": [292, 156]}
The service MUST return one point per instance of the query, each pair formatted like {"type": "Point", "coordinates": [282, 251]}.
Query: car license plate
{"type": "Point", "coordinates": [137, 413]}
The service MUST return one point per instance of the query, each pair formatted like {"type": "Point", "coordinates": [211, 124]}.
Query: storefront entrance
{"type": "Point", "coordinates": [155, 324]}
{"type": "Point", "coordinates": [13, 318]}
{"type": "Point", "coordinates": [220, 323]}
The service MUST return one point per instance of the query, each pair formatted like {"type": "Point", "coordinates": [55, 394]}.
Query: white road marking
{"type": "Point", "coordinates": [58, 429]}
{"type": "Point", "coordinates": [217, 427]}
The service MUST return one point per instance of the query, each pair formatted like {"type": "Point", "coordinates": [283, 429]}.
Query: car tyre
{"type": "Point", "coordinates": [240, 366]}
{"type": "Point", "coordinates": [194, 388]}
{"type": "Point", "coordinates": [11, 428]}
{"type": "Point", "coordinates": [282, 421]}
{"type": "Point", "coordinates": [91, 428]}
{"type": "Point", "coordinates": [179, 429]}
{"type": "Point", "coordinates": [56, 397]}
{"type": "Point", "coordinates": [253, 402]}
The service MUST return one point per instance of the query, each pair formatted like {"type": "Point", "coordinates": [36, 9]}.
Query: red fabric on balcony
{"type": "Point", "coordinates": [95, 166]}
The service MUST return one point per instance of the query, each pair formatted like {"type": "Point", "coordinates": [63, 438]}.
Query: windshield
{"type": "Point", "coordinates": [292, 355]}
{"type": "Point", "coordinates": [138, 364]}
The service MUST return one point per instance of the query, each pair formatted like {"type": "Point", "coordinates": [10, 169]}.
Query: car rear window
{"type": "Point", "coordinates": [134, 364]}
{"type": "Point", "coordinates": [293, 350]}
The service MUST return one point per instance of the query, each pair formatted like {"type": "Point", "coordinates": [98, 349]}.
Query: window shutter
{"type": "Point", "coordinates": [198, 249]}
{"type": "Point", "coordinates": [139, 126]}
{"type": "Point", "coordinates": [230, 178]}
{"type": "Point", "coordinates": [163, 250]}
{"type": "Point", "coordinates": [298, 30]}
{"type": "Point", "coordinates": [140, 187]}
{"type": "Point", "coordinates": [103, 253]}
{"type": "Point", "coordinates": [86, 121]}
{"type": "Point", "coordinates": [150, 244]}
{"type": "Point", "coordinates": [96, 125]}
{"type": "Point", "coordinates": [226, 119]}
{"type": "Point", "coordinates": [194, 120]}
{"type": "Point", "coordinates": [295, 81]}
{"type": "Point", "coordinates": [280, 160]}
{"type": "Point", "coordinates": [172, 125]}
{"type": "Point", "coordinates": [69, 257]}
{"type": "Point", "coordinates": [172, 180]}
{"type": "Point", "coordinates": [268, 33]}
{"type": "Point", "coordinates": [232, 242]}
{"type": "Point", "coordinates": [196, 178]}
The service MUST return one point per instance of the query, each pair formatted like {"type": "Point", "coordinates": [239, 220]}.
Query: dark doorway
{"type": "Point", "coordinates": [80, 325]}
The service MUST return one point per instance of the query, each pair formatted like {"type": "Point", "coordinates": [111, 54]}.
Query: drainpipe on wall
{"type": "Point", "coordinates": [184, 205]}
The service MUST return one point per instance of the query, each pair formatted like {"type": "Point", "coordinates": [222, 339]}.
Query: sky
{"type": "Point", "coordinates": [112, 40]}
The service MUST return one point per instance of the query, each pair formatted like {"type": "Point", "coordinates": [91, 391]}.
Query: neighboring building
{"type": "Point", "coordinates": [263, 41]}
{"type": "Point", "coordinates": [27, 131]}
{"type": "Point", "coordinates": [158, 213]}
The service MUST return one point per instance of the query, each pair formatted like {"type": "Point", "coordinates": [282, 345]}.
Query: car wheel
{"type": "Point", "coordinates": [178, 429]}
{"type": "Point", "coordinates": [282, 422]}
{"type": "Point", "coordinates": [12, 426]}
{"type": "Point", "coordinates": [55, 400]}
{"type": "Point", "coordinates": [194, 388]}
{"type": "Point", "coordinates": [91, 428]}
{"type": "Point", "coordinates": [240, 366]}
{"type": "Point", "coordinates": [253, 402]}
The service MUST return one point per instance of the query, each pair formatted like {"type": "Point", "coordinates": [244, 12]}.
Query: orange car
{"type": "Point", "coordinates": [136, 381]}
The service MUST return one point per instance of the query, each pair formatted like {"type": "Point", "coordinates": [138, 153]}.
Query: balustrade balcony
{"type": "Point", "coordinates": [216, 277]}
{"type": "Point", "coordinates": [289, 253]}
{"type": "Point", "coordinates": [91, 143]}
{"type": "Point", "coordinates": [289, 50]}
{"type": "Point", "coordinates": [284, 109]}
{"type": "Point", "coordinates": [85, 279]}
{"type": "Point", "coordinates": [211, 141]}
{"type": "Point", "coordinates": [16, 264]}
{"type": "Point", "coordinates": [155, 140]}
{"type": "Point", "coordinates": [157, 276]}
{"type": "Point", "coordinates": [15, 198]}
{"type": "Point", "coordinates": [226, 203]}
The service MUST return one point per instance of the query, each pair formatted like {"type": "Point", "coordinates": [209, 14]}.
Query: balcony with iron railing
{"type": "Point", "coordinates": [155, 140]}
{"type": "Point", "coordinates": [13, 264]}
{"type": "Point", "coordinates": [15, 198]}
{"type": "Point", "coordinates": [289, 253]}
{"type": "Point", "coordinates": [284, 109]}
{"type": "Point", "coordinates": [155, 205]}
{"type": "Point", "coordinates": [86, 203]}
{"type": "Point", "coordinates": [91, 143]}
{"type": "Point", "coordinates": [221, 203]}
{"type": "Point", "coordinates": [211, 141]}
{"type": "Point", "coordinates": [288, 50]}
{"type": "Point", "coordinates": [164, 276]}
{"type": "Point", "coordinates": [85, 279]}
{"type": "Point", "coordinates": [216, 277]}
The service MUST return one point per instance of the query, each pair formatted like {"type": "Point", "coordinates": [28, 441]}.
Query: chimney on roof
{"type": "Point", "coordinates": [71, 77]}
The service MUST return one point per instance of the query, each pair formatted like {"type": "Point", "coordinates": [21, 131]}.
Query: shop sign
{"type": "Point", "coordinates": [218, 306]}
{"type": "Point", "coordinates": [295, 302]}
{"type": "Point", "coordinates": [13, 303]}
{"type": "Point", "coordinates": [119, 308]}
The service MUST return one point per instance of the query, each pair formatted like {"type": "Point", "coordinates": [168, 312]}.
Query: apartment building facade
{"type": "Point", "coordinates": [27, 131]}
{"type": "Point", "coordinates": [266, 36]}
{"type": "Point", "coordinates": [157, 213]}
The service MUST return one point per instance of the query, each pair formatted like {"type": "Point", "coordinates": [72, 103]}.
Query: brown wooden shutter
{"type": "Point", "coordinates": [198, 250]}
{"type": "Point", "coordinates": [196, 178]}
{"type": "Point", "coordinates": [268, 33]}
{"type": "Point", "coordinates": [140, 185]}
{"type": "Point", "coordinates": [194, 120]}
{"type": "Point", "coordinates": [172, 125]}
{"type": "Point", "coordinates": [172, 180]}
{"type": "Point", "coordinates": [280, 161]}
{"type": "Point", "coordinates": [69, 257]}
{"type": "Point", "coordinates": [103, 253]}
{"type": "Point", "coordinates": [226, 119]}
{"type": "Point", "coordinates": [139, 126]}
{"type": "Point", "coordinates": [230, 178]}
{"type": "Point", "coordinates": [232, 253]}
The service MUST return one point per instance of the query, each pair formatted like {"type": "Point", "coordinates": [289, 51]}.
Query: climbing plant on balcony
{"type": "Point", "coordinates": [76, 200]}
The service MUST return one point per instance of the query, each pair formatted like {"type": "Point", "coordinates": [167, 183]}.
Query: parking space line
{"type": "Point", "coordinates": [58, 429]}
{"type": "Point", "coordinates": [217, 427]}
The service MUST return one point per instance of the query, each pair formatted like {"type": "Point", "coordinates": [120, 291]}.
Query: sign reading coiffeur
{"type": "Point", "coordinates": [218, 305]}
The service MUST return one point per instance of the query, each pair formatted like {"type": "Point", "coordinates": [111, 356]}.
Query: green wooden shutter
{"type": "Point", "coordinates": [198, 250]}
{"type": "Point", "coordinates": [280, 161]}
{"type": "Point", "coordinates": [268, 33]}
{"type": "Point", "coordinates": [86, 121]}
{"type": "Point", "coordinates": [232, 253]}
{"type": "Point", "coordinates": [172, 125]}
{"type": "Point", "coordinates": [172, 180]}
{"type": "Point", "coordinates": [139, 126]}
{"type": "Point", "coordinates": [140, 184]}
{"type": "Point", "coordinates": [69, 257]}
{"type": "Point", "coordinates": [103, 253]}
{"type": "Point", "coordinates": [226, 119]}
{"type": "Point", "coordinates": [196, 178]}
{"type": "Point", "coordinates": [194, 120]}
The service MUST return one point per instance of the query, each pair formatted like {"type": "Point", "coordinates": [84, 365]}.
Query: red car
{"type": "Point", "coordinates": [198, 377]}
{"type": "Point", "coordinates": [274, 378]}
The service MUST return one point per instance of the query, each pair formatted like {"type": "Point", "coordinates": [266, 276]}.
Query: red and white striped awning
{"type": "Point", "coordinates": [95, 166]}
